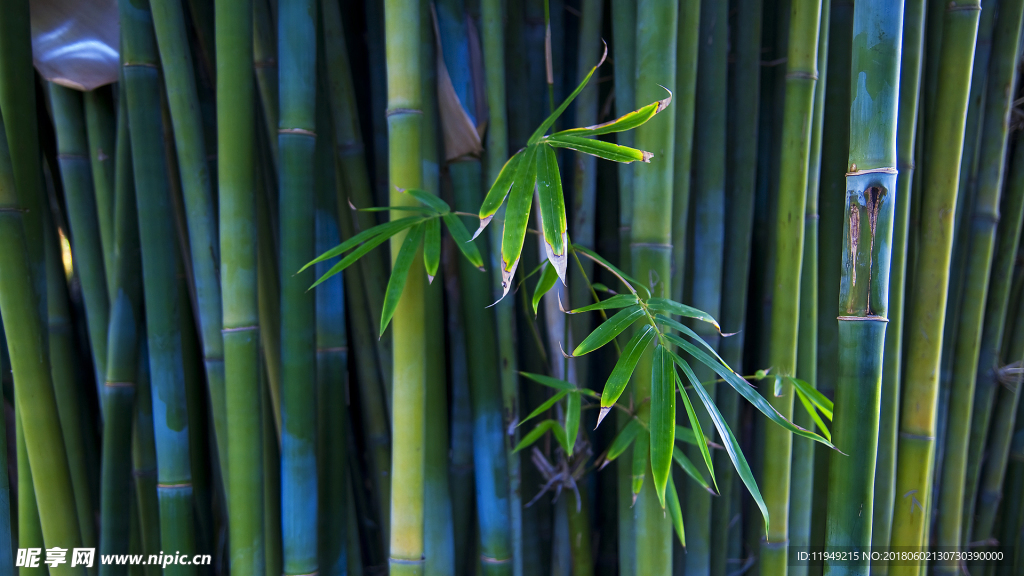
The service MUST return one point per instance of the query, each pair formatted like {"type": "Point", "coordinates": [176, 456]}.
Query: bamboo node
{"type": "Point", "coordinates": [12, 209]}
{"type": "Point", "coordinates": [72, 156]}
{"type": "Point", "coordinates": [867, 318]}
{"type": "Point", "coordinates": [313, 573]}
{"type": "Point", "coordinates": [399, 111]}
{"type": "Point", "coordinates": [302, 131]}
{"type": "Point", "coordinates": [800, 74]}
{"type": "Point", "coordinates": [489, 560]}
{"type": "Point", "coordinates": [910, 436]}
{"type": "Point", "coordinates": [333, 349]}
{"type": "Point", "coordinates": [173, 485]}
{"type": "Point", "coordinates": [119, 384]}
{"type": "Point", "coordinates": [406, 561]}
{"type": "Point", "coordinates": [139, 65]}
{"type": "Point", "coordinates": [885, 170]}
{"type": "Point", "coordinates": [240, 329]}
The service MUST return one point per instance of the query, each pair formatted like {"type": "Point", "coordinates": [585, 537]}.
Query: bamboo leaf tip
{"type": "Point", "coordinates": [602, 414]}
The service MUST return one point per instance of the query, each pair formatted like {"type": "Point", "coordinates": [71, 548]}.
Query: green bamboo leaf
{"type": "Point", "coordinates": [676, 512]}
{"type": "Point", "coordinates": [550, 120]}
{"type": "Point", "coordinates": [698, 433]}
{"type": "Point", "coordinates": [399, 274]}
{"type": "Point", "coordinates": [599, 148]}
{"type": "Point", "coordinates": [544, 284]}
{"type": "Point", "coordinates": [813, 412]}
{"type": "Point", "coordinates": [496, 195]}
{"type": "Point", "coordinates": [691, 469]}
{"type": "Point", "coordinates": [517, 217]}
{"type": "Point", "coordinates": [617, 301]}
{"type": "Point", "coordinates": [624, 368]}
{"type": "Point", "coordinates": [353, 256]}
{"type": "Point", "coordinates": [572, 420]}
{"type": "Point", "coordinates": [641, 450]}
{"type": "Point", "coordinates": [816, 397]}
{"type": "Point", "coordinates": [663, 420]}
{"type": "Point", "coordinates": [420, 209]}
{"type": "Point", "coordinates": [599, 287]}
{"type": "Point", "coordinates": [548, 381]}
{"type": "Point", "coordinates": [626, 279]}
{"type": "Point", "coordinates": [672, 307]}
{"type": "Point", "coordinates": [432, 247]}
{"type": "Point", "coordinates": [545, 406]}
{"type": "Point", "coordinates": [463, 241]}
{"type": "Point", "coordinates": [622, 440]}
{"type": "Point", "coordinates": [385, 230]}
{"type": "Point", "coordinates": [608, 330]}
{"type": "Point", "coordinates": [732, 447]}
{"type": "Point", "coordinates": [625, 122]}
{"type": "Point", "coordinates": [552, 209]}
{"type": "Point", "coordinates": [747, 391]}
{"type": "Point", "coordinates": [666, 321]}
{"type": "Point", "coordinates": [427, 199]}
{"type": "Point", "coordinates": [546, 426]}
{"type": "Point", "coordinates": [684, 434]}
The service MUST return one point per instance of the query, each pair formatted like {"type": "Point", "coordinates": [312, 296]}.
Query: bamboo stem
{"type": "Point", "coordinates": [100, 117]}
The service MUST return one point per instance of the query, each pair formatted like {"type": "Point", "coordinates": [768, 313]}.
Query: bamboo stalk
{"type": "Point", "coordinates": [801, 77]}
{"type": "Point", "coordinates": [272, 539]}
{"type": "Point", "coordinates": [157, 240]}
{"type": "Point", "coordinates": [915, 449]}
{"type": "Point", "coordinates": [265, 66]}
{"type": "Point", "coordinates": [144, 461]}
{"type": "Point", "coordinates": [30, 531]}
{"type": "Point", "coordinates": [100, 118]}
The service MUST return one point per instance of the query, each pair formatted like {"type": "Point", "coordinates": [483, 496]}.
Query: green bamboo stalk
{"type": "Point", "coordinates": [120, 384]}
{"type": "Point", "coordinates": [240, 318]}
{"type": "Point", "coordinates": [686, 98]}
{"type": "Point", "coordinates": [7, 521]}
{"type": "Point", "coordinates": [402, 34]}
{"type": "Point", "coordinates": [981, 240]}
{"type": "Point", "coordinates": [272, 541]}
{"type": "Point", "coordinates": [863, 306]}
{"type": "Point", "coordinates": [30, 364]}
{"type": "Point", "coordinates": [1011, 508]}
{"type": "Point", "coordinates": [916, 446]}
{"type": "Point", "coordinates": [377, 57]}
{"type": "Point", "coordinates": [160, 286]}
{"type": "Point", "coordinates": [144, 461]}
{"type": "Point", "coordinates": [801, 77]}
{"type": "Point", "coordinates": [650, 244]}
{"type": "Point", "coordinates": [100, 118]}
{"type": "Point", "coordinates": [906, 132]}
{"type": "Point", "coordinates": [741, 176]}
{"type": "Point", "coordinates": [183, 101]}
{"type": "Point", "coordinates": [268, 293]}
{"type": "Point", "coordinates": [265, 65]}
{"type": "Point", "coordinates": [30, 531]}
{"type": "Point", "coordinates": [579, 533]}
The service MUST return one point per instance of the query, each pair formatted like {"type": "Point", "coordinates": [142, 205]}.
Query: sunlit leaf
{"type": "Point", "coordinates": [641, 450]}
{"type": "Point", "coordinates": [496, 195]}
{"type": "Point", "coordinates": [624, 368]}
{"type": "Point", "coordinates": [548, 381]}
{"type": "Point", "coordinates": [430, 200]}
{"type": "Point", "coordinates": [550, 120]}
{"type": "Point", "coordinates": [666, 321]}
{"type": "Point", "coordinates": [552, 208]}
{"type": "Point", "coordinates": [572, 420]}
{"type": "Point", "coordinates": [691, 469]}
{"type": "Point", "coordinates": [545, 406]}
{"type": "Point", "coordinates": [663, 420]}
{"type": "Point", "coordinates": [617, 301]}
{"type": "Point", "coordinates": [609, 329]}
{"type": "Point", "coordinates": [813, 412]}
{"type": "Point", "coordinates": [675, 512]}
{"type": "Point", "coordinates": [420, 209]}
{"type": "Point", "coordinates": [463, 241]}
{"type": "Point", "coordinates": [432, 247]}
{"type": "Point", "coordinates": [814, 395]}
{"type": "Point", "coordinates": [399, 274]}
{"type": "Point", "coordinates": [671, 307]}
{"type": "Point", "coordinates": [622, 440]}
{"type": "Point", "coordinates": [544, 284]}
{"type": "Point", "coordinates": [599, 148]}
{"type": "Point", "coordinates": [385, 230]}
{"type": "Point", "coordinates": [698, 433]}
{"type": "Point", "coordinates": [356, 254]}
{"type": "Point", "coordinates": [517, 217]}
{"type": "Point", "coordinates": [625, 122]}
{"type": "Point", "coordinates": [546, 426]}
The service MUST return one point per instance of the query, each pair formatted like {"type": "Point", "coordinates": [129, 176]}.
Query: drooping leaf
{"type": "Point", "coordinates": [617, 301]}
{"type": "Point", "coordinates": [622, 440]}
{"type": "Point", "coordinates": [544, 284]}
{"type": "Point", "coordinates": [624, 368]}
{"type": "Point", "coordinates": [548, 381]}
{"type": "Point", "coordinates": [552, 209]}
{"type": "Point", "coordinates": [663, 420]}
{"type": "Point", "coordinates": [385, 230]}
{"type": "Point", "coordinates": [517, 217]}
{"type": "Point", "coordinates": [550, 120]}
{"type": "Point", "coordinates": [669, 322]}
{"type": "Point", "coordinates": [813, 412]}
{"type": "Point", "coordinates": [641, 450]}
{"type": "Point", "coordinates": [691, 469]}
{"type": "Point", "coordinates": [625, 122]}
{"type": "Point", "coordinates": [399, 274]}
{"type": "Point", "coordinates": [609, 329]}
{"type": "Point", "coordinates": [355, 255]}
{"type": "Point", "coordinates": [698, 433]}
{"type": "Point", "coordinates": [732, 447]}
{"type": "Point", "coordinates": [552, 426]}
{"type": "Point", "coordinates": [675, 512]}
{"type": "Point", "coordinates": [432, 247]}
{"type": "Point", "coordinates": [599, 148]}
{"type": "Point", "coordinates": [545, 406]}
{"type": "Point", "coordinates": [432, 201]}
{"type": "Point", "coordinates": [463, 241]}
{"type": "Point", "coordinates": [814, 395]}
{"type": "Point", "coordinates": [672, 307]}
{"type": "Point", "coordinates": [626, 279]}
{"type": "Point", "coordinates": [572, 420]}
{"type": "Point", "coordinates": [496, 195]}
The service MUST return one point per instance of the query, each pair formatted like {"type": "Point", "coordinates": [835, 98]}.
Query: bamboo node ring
{"type": "Point", "coordinates": [173, 484]}
{"type": "Point", "coordinates": [398, 111]}
{"type": "Point", "coordinates": [489, 560]}
{"type": "Point", "coordinates": [798, 74]}
{"type": "Point", "coordinates": [886, 170]}
{"type": "Point", "coordinates": [119, 384]}
{"type": "Point", "coordinates": [910, 436]}
{"type": "Point", "coordinates": [313, 573]}
{"type": "Point", "coordinates": [240, 329]}
{"type": "Point", "coordinates": [868, 318]}
{"type": "Point", "coordinates": [301, 131]}
{"type": "Point", "coordinates": [139, 65]}
{"type": "Point", "coordinates": [394, 560]}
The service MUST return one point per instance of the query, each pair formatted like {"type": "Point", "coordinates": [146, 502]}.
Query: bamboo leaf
{"type": "Point", "coordinates": [353, 256]}
{"type": "Point", "coordinates": [599, 148]}
{"type": "Point", "coordinates": [572, 420]}
{"type": "Point", "coordinates": [546, 426]}
{"type": "Point", "coordinates": [517, 217]}
{"type": "Point", "coordinates": [676, 512]}
{"type": "Point", "coordinates": [622, 440]}
{"type": "Point", "coordinates": [496, 195]}
{"type": "Point", "coordinates": [663, 420]}
{"type": "Point", "coordinates": [463, 241]}
{"type": "Point", "coordinates": [399, 274]}
{"type": "Point", "coordinates": [420, 209]}
{"type": "Point", "coordinates": [545, 406]}
{"type": "Point", "coordinates": [732, 447]}
{"type": "Point", "coordinates": [548, 381]}
{"type": "Point", "coordinates": [432, 247]}
{"type": "Point", "coordinates": [698, 433]}
{"type": "Point", "coordinates": [813, 412]}
{"type": "Point", "coordinates": [691, 469]}
{"type": "Point", "coordinates": [671, 307]}
{"type": "Point", "coordinates": [684, 434]}
{"type": "Point", "coordinates": [625, 122]}
{"type": "Point", "coordinates": [666, 321]}
{"type": "Point", "coordinates": [816, 397]}
{"type": "Point", "coordinates": [641, 449]}
{"type": "Point", "coordinates": [544, 284]}
{"type": "Point", "coordinates": [624, 368]}
{"type": "Point", "coordinates": [430, 200]}
{"type": "Point", "coordinates": [387, 230]}
{"type": "Point", "coordinates": [609, 329]}
{"type": "Point", "coordinates": [550, 120]}
{"type": "Point", "coordinates": [552, 209]}
{"type": "Point", "coordinates": [618, 301]}
{"type": "Point", "coordinates": [626, 279]}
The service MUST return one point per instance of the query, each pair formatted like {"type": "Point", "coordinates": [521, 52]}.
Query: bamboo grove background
{"type": "Point", "coordinates": [831, 217]}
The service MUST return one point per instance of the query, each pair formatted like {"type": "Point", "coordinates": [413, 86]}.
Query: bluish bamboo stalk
{"type": "Point", "coordinates": [144, 461]}
{"type": "Point", "coordinates": [101, 127]}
